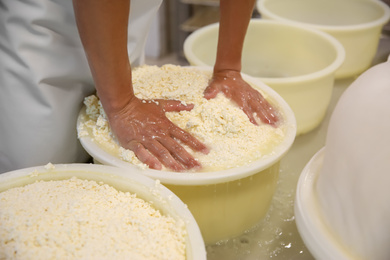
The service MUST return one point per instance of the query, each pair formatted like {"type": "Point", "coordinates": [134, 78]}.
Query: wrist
{"type": "Point", "coordinates": [114, 87]}
{"type": "Point", "coordinates": [226, 73]}
{"type": "Point", "coordinates": [116, 98]}
{"type": "Point", "coordinates": [227, 64]}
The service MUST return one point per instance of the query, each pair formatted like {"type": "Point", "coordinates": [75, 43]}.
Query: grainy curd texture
{"type": "Point", "coordinates": [81, 219]}
{"type": "Point", "coordinates": [221, 125]}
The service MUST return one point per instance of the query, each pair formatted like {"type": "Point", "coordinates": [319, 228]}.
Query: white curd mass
{"type": "Point", "coordinates": [81, 219]}
{"type": "Point", "coordinates": [221, 125]}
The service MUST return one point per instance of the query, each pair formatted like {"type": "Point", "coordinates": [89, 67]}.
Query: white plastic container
{"type": "Point", "coordinates": [357, 24]}
{"type": "Point", "coordinates": [317, 236]}
{"type": "Point", "coordinates": [298, 62]}
{"type": "Point", "coordinates": [224, 203]}
{"type": "Point", "coordinates": [342, 204]}
{"type": "Point", "coordinates": [124, 180]}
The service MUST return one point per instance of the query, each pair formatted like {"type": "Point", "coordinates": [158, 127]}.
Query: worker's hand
{"type": "Point", "coordinates": [254, 105]}
{"type": "Point", "coordinates": [142, 127]}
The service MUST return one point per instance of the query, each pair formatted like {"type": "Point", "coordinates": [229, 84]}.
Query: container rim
{"type": "Point", "coordinates": [262, 9]}
{"type": "Point", "coordinates": [143, 187]}
{"type": "Point", "coordinates": [315, 233]}
{"type": "Point", "coordinates": [213, 177]}
{"type": "Point", "coordinates": [330, 69]}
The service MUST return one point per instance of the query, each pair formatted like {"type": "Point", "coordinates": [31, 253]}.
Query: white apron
{"type": "Point", "coordinates": [44, 77]}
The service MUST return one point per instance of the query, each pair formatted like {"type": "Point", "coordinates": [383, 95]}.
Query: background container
{"type": "Point", "coordinates": [298, 62]}
{"type": "Point", "coordinates": [357, 24]}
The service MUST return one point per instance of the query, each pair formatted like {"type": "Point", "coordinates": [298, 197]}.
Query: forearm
{"type": "Point", "coordinates": [102, 26]}
{"type": "Point", "coordinates": [234, 19]}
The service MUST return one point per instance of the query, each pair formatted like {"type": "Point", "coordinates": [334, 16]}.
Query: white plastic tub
{"type": "Point", "coordinates": [357, 24]}
{"type": "Point", "coordinates": [121, 179]}
{"type": "Point", "coordinates": [342, 203]}
{"type": "Point", "coordinates": [224, 203]}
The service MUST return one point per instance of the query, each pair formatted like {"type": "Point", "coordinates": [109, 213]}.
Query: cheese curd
{"type": "Point", "coordinates": [81, 219]}
{"type": "Point", "coordinates": [218, 123]}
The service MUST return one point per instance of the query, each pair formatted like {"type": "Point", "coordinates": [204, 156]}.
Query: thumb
{"type": "Point", "coordinates": [175, 106]}
{"type": "Point", "coordinates": [210, 92]}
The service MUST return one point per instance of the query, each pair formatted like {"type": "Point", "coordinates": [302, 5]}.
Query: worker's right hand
{"type": "Point", "coordinates": [142, 127]}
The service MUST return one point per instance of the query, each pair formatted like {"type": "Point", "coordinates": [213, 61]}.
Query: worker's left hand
{"type": "Point", "coordinates": [254, 105]}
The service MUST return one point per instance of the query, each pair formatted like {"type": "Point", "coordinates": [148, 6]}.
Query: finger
{"type": "Point", "coordinates": [252, 117]}
{"type": "Point", "coordinates": [180, 154]}
{"type": "Point", "coordinates": [249, 111]}
{"type": "Point", "coordinates": [163, 155]}
{"type": "Point", "coordinates": [265, 112]}
{"type": "Point", "coordinates": [189, 140]}
{"type": "Point", "coordinates": [210, 92]}
{"type": "Point", "coordinates": [269, 112]}
{"type": "Point", "coordinates": [144, 156]}
{"type": "Point", "coordinates": [175, 106]}
{"type": "Point", "coordinates": [272, 119]}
